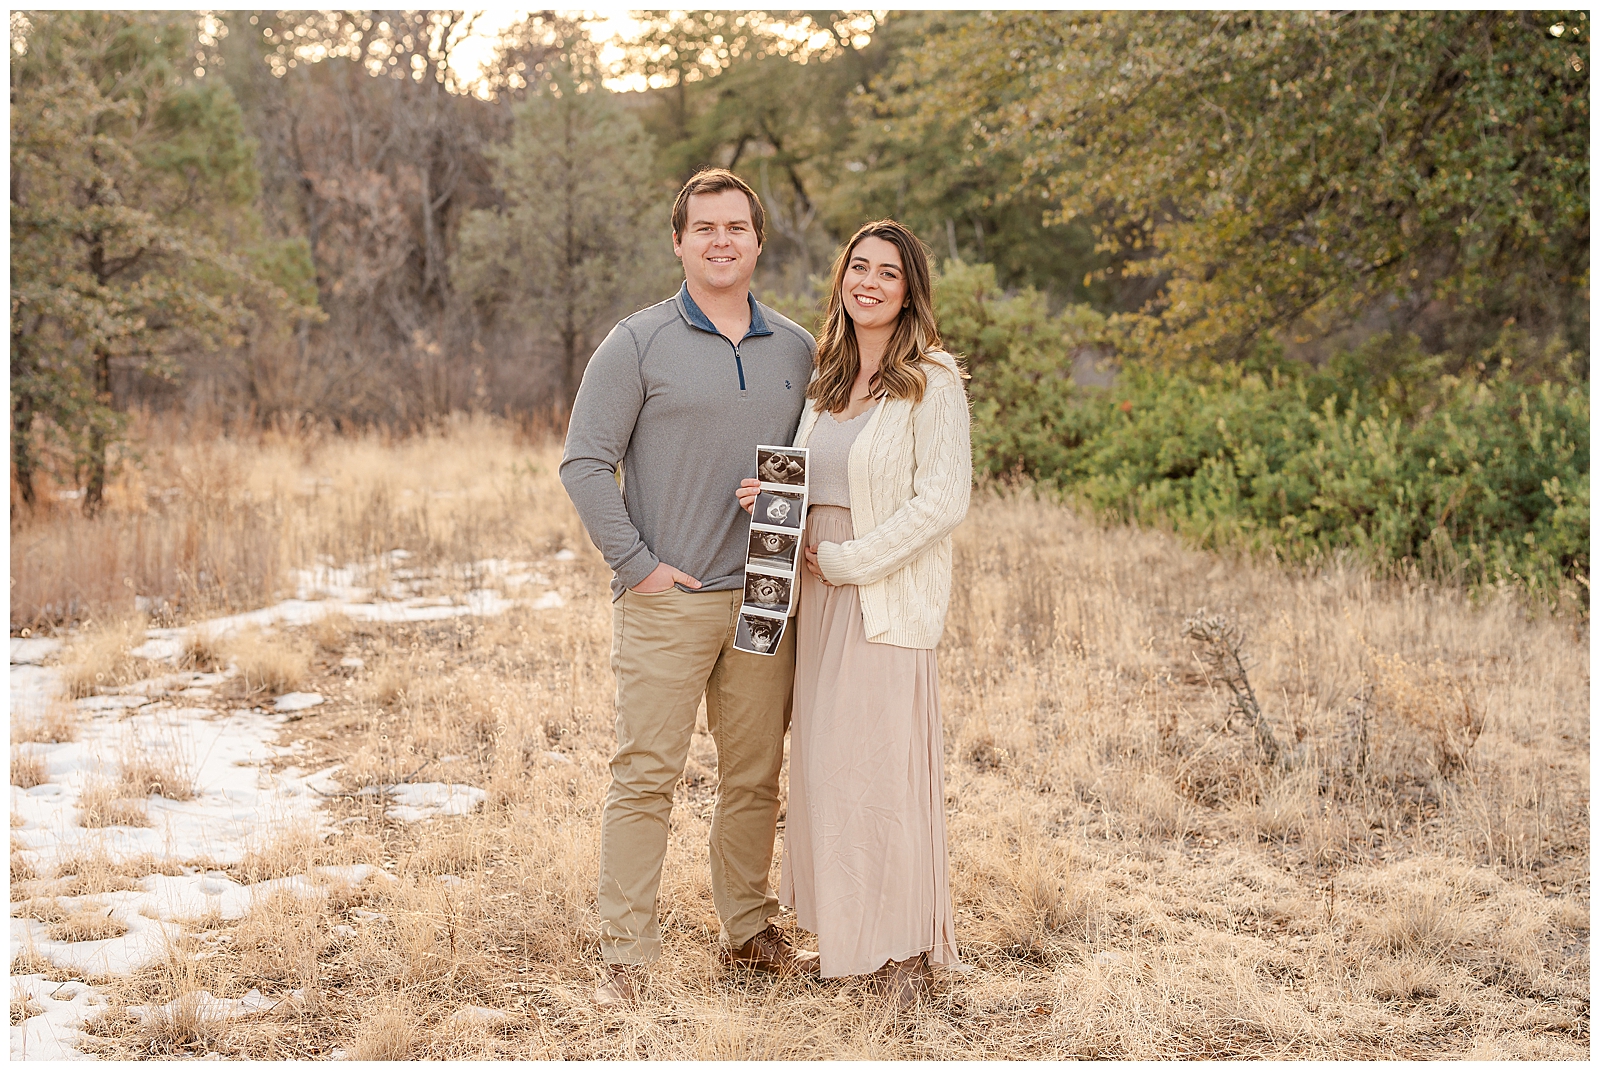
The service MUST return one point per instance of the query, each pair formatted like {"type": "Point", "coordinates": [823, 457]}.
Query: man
{"type": "Point", "coordinates": [680, 394]}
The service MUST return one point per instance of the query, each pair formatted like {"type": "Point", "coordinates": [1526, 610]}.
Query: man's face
{"type": "Point", "coordinates": [718, 245]}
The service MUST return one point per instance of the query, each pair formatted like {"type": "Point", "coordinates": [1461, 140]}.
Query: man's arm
{"type": "Point", "coordinates": [603, 416]}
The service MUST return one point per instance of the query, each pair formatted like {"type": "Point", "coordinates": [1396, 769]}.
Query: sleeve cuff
{"type": "Point", "coordinates": [633, 573]}
{"type": "Point", "coordinates": [830, 559]}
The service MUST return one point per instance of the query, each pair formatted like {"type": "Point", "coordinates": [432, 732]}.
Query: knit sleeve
{"type": "Point", "coordinates": [941, 488]}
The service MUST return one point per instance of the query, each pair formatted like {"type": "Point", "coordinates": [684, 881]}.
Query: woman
{"type": "Point", "coordinates": [865, 865]}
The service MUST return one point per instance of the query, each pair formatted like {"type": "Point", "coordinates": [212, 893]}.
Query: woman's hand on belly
{"type": "Point", "coordinates": [813, 567]}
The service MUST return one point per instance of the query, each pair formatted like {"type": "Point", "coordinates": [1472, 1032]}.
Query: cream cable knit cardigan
{"type": "Point", "coordinates": [910, 481]}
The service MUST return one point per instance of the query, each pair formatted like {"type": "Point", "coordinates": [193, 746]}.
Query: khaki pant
{"type": "Point", "coordinates": [667, 650]}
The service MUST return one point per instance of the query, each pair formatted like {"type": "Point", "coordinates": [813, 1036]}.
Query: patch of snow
{"type": "Point", "coordinates": [565, 556]}
{"type": "Point", "coordinates": [335, 583]}
{"type": "Point", "coordinates": [429, 799]}
{"type": "Point", "coordinates": [353, 662]}
{"type": "Point", "coordinates": [152, 914]}
{"type": "Point", "coordinates": [476, 1015]}
{"type": "Point", "coordinates": [159, 648]}
{"type": "Point", "coordinates": [237, 799]}
{"type": "Point", "coordinates": [322, 781]}
{"type": "Point", "coordinates": [498, 566]}
{"type": "Point", "coordinates": [53, 1030]}
{"type": "Point", "coordinates": [239, 802]}
{"type": "Point", "coordinates": [146, 941]}
{"type": "Point", "coordinates": [486, 602]}
{"type": "Point", "coordinates": [193, 896]}
{"type": "Point", "coordinates": [170, 683]}
{"type": "Point", "coordinates": [168, 644]}
{"type": "Point", "coordinates": [293, 701]}
{"type": "Point", "coordinates": [111, 702]}
{"type": "Point", "coordinates": [33, 649]}
{"type": "Point", "coordinates": [202, 1007]}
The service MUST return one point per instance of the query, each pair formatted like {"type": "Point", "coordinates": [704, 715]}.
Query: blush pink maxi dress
{"type": "Point", "coordinates": [865, 862]}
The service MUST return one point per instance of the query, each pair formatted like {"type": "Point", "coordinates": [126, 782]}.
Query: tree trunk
{"type": "Point", "coordinates": [572, 370]}
{"type": "Point", "coordinates": [22, 460]}
{"type": "Point", "coordinates": [94, 491]}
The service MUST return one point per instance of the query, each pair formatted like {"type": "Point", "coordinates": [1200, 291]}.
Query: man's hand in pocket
{"type": "Point", "coordinates": [662, 577]}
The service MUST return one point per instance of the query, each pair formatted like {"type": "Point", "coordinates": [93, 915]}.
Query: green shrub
{"type": "Point", "coordinates": [1482, 479]}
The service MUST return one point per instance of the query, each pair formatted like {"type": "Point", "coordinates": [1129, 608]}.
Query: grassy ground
{"type": "Point", "coordinates": [1410, 879]}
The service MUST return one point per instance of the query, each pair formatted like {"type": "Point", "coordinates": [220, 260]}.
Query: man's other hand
{"type": "Point", "coordinates": [747, 492]}
{"type": "Point", "coordinates": [662, 577]}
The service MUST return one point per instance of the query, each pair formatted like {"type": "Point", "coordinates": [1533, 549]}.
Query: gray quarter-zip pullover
{"type": "Point", "coordinates": [681, 408]}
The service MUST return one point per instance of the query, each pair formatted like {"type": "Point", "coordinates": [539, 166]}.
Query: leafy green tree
{"type": "Point", "coordinates": [679, 52]}
{"type": "Point", "coordinates": [1027, 415]}
{"type": "Point", "coordinates": [1288, 171]}
{"type": "Point", "coordinates": [128, 176]}
{"type": "Point", "coordinates": [821, 112]}
{"type": "Point", "coordinates": [765, 94]}
{"type": "Point", "coordinates": [582, 232]}
{"type": "Point", "coordinates": [927, 168]}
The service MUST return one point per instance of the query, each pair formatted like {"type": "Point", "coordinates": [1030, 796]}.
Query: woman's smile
{"type": "Point", "coordinates": [874, 282]}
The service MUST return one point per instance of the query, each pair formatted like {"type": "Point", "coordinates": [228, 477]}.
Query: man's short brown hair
{"type": "Point", "coordinates": [717, 180]}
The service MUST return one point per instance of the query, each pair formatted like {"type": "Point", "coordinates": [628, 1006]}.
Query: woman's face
{"type": "Point", "coordinates": [874, 284]}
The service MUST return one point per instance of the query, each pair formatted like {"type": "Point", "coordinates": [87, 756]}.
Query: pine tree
{"type": "Point", "coordinates": [582, 233]}
{"type": "Point", "coordinates": [128, 178]}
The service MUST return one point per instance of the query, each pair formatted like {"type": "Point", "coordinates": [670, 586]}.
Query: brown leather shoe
{"type": "Point", "coordinates": [902, 984]}
{"type": "Point", "coordinates": [771, 952]}
{"type": "Point", "coordinates": [619, 988]}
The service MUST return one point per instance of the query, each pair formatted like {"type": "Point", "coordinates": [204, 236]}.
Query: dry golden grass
{"type": "Point", "coordinates": [23, 1006]}
{"type": "Point", "coordinates": [57, 723]}
{"type": "Point", "coordinates": [27, 767]}
{"type": "Point", "coordinates": [1131, 879]}
{"type": "Point", "coordinates": [43, 909]}
{"type": "Point", "coordinates": [213, 522]}
{"type": "Point", "coordinates": [21, 870]}
{"type": "Point", "coordinates": [161, 771]}
{"type": "Point", "coordinates": [92, 872]}
{"type": "Point", "coordinates": [105, 802]}
{"type": "Point", "coordinates": [388, 1030]}
{"type": "Point", "coordinates": [269, 662]}
{"type": "Point", "coordinates": [203, 651]}
{"type": "Point", "coordinates": [87, 925]}
{"type": "Point", "coordinates": [392, 679]}
{"type": "Point", "coordinates": [98, 657]}
{"type": "Point", "coordinates": [282, 853]}
{"type": "Point", "coordinates": [331, 632]}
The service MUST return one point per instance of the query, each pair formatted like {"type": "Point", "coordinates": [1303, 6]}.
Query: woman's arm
{"type": "Point", "coordinates": [941, 488]}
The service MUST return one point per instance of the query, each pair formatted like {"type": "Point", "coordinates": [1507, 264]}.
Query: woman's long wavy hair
{"type": "Point", "coordinates": [839, 359]}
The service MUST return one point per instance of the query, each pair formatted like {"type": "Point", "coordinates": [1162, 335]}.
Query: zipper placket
{"type": "Point", "coordinates": [738, 361]}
